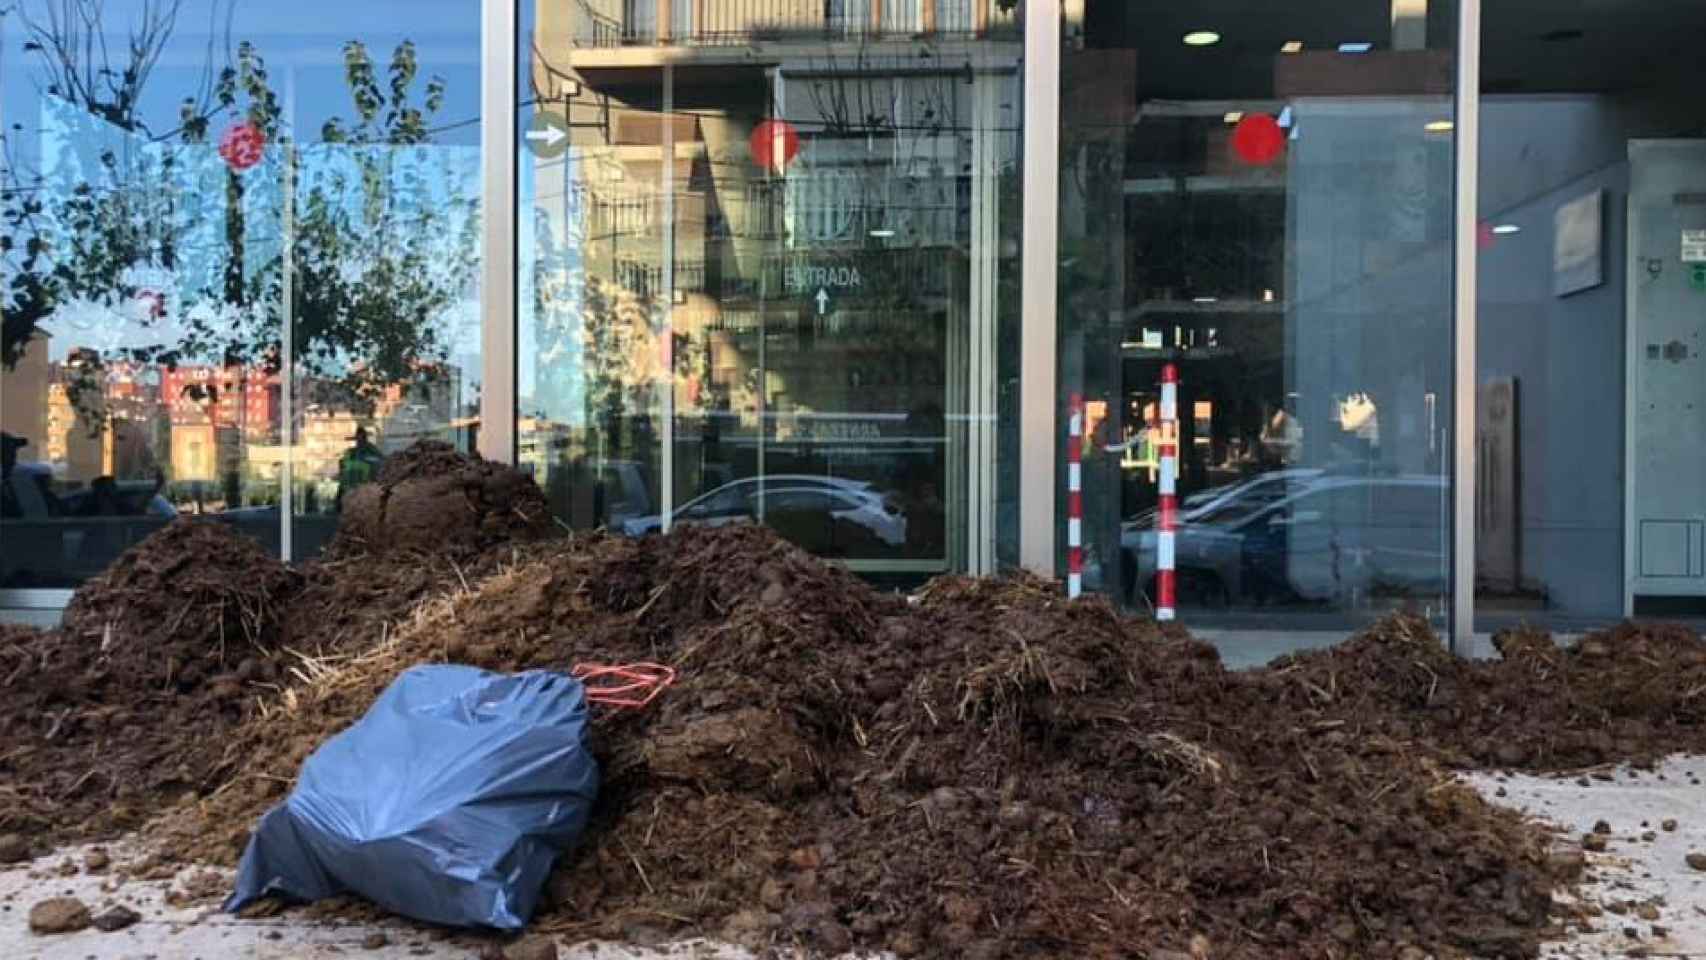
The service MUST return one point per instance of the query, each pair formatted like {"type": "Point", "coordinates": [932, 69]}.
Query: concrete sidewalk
{"type": "Point", "coordinates": [1642, 898]}
{"type": "Point", "coordinates": [1648, 901]}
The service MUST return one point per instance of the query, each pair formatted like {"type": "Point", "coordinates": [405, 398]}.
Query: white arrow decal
{"type": "Point", "coordinates": [822, 301]}
{"type": "Point", "coordinates": [551, 136]}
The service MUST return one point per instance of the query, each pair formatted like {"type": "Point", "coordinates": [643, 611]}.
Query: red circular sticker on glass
{"type": "Point", "coordinates": [241, 145]}
{"type": "Point", "coordinates": [1258, 139]}
{"type": "Point", "coordinates": [775, 144]}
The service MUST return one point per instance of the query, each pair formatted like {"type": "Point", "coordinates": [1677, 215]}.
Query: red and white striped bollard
{"type": "Point", "coordinates": [1166, 582]}
{"type": "Point", "coordinates": [1075, 499]}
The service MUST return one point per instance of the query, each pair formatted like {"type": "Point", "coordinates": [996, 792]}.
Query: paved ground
{"type": "Point", "coordinates": [1648, 901]}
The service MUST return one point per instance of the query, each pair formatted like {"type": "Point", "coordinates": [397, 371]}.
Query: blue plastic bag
{"type": "Point", "coordinates": [448, 801]}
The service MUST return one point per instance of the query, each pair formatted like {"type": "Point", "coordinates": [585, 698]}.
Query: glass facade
{"type": "Point", "coordinates": [241, 248]}
{"type": "Point", "coordinates": [1269, 216]}
{"type": "Point", "coordinates": [766, 261]}
{"type": "Point", "coordinates": [772, 285]}
{"type": "Point", "coordinates": [1592, 286]}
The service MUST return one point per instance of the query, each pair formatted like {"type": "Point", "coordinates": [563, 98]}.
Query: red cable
{"type": "Point", "coordinates": [647, 678]}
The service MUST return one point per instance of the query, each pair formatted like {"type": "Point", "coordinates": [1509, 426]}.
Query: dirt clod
{"type": "Point", "coordinates": [115, 919]}
{"type": "Point", "coordinates": [532, 948]}
{"type": "Point", "coordinates": [59, 915]}
{"type": "Point", "coordinates": [434, 498]}
{"type": "Point", "coordinates": [374, 941]}
{"type": "Point", "coordinates": [13, 848]}
{"type": "Point", "coordinates": [1696, 861]}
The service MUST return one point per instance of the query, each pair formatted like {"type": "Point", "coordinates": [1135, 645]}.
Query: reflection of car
{"type": "Point", "coordinates": [54, 540]}
{"type": "Point", "coordinates": [626, 494]}
{"type": "Point", "coordinates": [30, 495]}
{"type": "Point", "coordinates": [808, 509]}
{"type": "Point", "coordinates": [1229, 501]}
{"type": "Point", "coordinates": [1323, 539]}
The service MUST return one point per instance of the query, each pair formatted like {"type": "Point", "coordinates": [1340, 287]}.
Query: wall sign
{"type": "Point", "coordinates": [1578, 261]}
{"type": "Point", "coordinates": [1694, 246]}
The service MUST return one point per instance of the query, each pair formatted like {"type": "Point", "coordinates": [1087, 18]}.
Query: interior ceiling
{"type": "Point", "coordinates": [1529, 46]}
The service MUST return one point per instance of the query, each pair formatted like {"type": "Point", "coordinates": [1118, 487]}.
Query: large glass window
{"type": "Point", "coordinates": [772, 277]}
{"type": "Point", "coordinates": [240, 243]}
{"type": "Point", "coordinates": [1592, 294]}
{"type": "Point", "coordinates": [1263, 202]}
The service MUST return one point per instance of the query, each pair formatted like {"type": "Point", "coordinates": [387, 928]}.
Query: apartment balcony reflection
{"type": "Point", "coordinates": [604, 24]}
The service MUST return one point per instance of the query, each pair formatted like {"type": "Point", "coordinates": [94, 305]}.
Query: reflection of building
{"type": "Point", "coordinates": [422, 409]}
{"type": "Point", "coordinates": [542, 446]}
{"type": "Point", "coordinates": [61, 419]}
{"type": "Point", "coordinates": [204, 452]}
{"type": "Point", "coordinates": [609, 25]}
{"type": "Point", "coordinates": [326, 436]}
{"type": "Point", "coordinates": [214, 410]}
{"type": "Point", "coordinates": [242, 398]}
{"type": "Point", "coordinates": [853, 282]}
{"type": "Point", "coordinates": [23, 399]}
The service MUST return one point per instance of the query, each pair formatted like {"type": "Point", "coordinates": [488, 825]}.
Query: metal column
{"type": "Point", "coordinates": [1464, 325]}
{"type": "Point", "coordinates": [498, 69]}
{"type": "Point", "coordinates": [1037, 338]}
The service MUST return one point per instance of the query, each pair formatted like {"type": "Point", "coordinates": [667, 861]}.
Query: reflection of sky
{"type": "Point", "coordinates": [302, 44]}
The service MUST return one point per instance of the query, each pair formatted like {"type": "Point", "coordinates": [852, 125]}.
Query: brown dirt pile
{"type": "Point", "coordinates": [1634, 693]}
{"type": "Point", "coordinates": [434, 498]}
{"type": "Point", "coordinates": [987, 772]}
{"type": "Point", "coordinates": [126, 706]}
{"type": "Point", "coordinates": [435, 521]}
{"type": "Point", "coordinates": [130, 705]}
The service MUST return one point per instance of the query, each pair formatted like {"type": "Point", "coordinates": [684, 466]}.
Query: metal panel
{"type": "Point", "coordinates": [666, 385]}
{"type": "Point", "coordinates": [973, 371]}
{"type": "Point", "coordinates": [1037, 338]}
{"type": "Point", "coordinates": [34, 599]}
{"type": "Point", "coordinates": [1665, 402]}
{"type": "Point", "coordinates": [498, 106]}
{"type": "Point", "coordinates": [1464, 324]}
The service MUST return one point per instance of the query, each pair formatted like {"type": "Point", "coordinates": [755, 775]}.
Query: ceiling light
{"type": "Point", "coordinates": [1205, 299]}
{"type": "Point", "coordinates": [1201, 38]}
{"type": "Point", "coordinates": [1233, 116]}
{"type": "Point", "coordinates": [1440, 126]}
{"type": "Point", "coordinates": [1506, 229]}
{"type": "Point", "coordinates": [883, 234]}
{"type": "Point", "coordinates": [1292, 46]}
{"type": "Point", "coordinates": [1359, 46]}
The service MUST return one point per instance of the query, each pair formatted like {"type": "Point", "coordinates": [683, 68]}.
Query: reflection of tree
{"type": "Point", "coordinates": [900, 118]}
{"type": "Point", "coordinates": [593, 328]}
{"type": "Point", "coordinates": [384, 240]}
{"type": "Point", "coordinates": [620, 355]}
{"type": "Point", "coordinates": [75, 57]}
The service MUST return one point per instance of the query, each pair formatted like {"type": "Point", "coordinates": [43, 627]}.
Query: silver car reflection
{"type": "Point", "coordinates": [829, 499]}
{"type": "Point", "coordinates": [1322, 539]}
